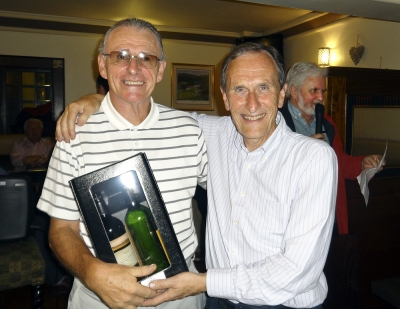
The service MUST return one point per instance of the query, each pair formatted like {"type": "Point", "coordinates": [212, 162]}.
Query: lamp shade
{"type": "Point", "coordinates": [324, 54]}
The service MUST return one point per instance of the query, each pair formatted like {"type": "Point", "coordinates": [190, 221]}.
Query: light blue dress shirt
{"type": "Point", "coordinates": [270, 215]}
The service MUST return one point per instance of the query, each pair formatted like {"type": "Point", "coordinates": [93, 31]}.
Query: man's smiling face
{"type": "Point", "coordinates": [309, 95]}
{"type": "Point", "coordinates": [253, 97]}
{"type": "Point", "coordinates": [129, 82]}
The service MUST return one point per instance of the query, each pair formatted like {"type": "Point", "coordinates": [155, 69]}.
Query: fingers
{"type": "Point", "coordinates": [62, 132]}
{"type": "Point", "coordinates": [59, 135]}
{"type": "Point", "coordinates": [65, 128]}
{"type": "Point", "coordinates": [155, 301]}
{"type": "Point", "coordinates": [86, 112]}
{"type": "Point", "coordinates": [142, 271]}
{"type": "Point", "coordinates": [118, 287]}
{"type": "Point", "coordinates": [372, 160]}
{"type": "Point", "coordinates": [318, 136]}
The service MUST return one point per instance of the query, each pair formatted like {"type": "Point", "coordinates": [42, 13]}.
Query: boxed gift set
{"type": "Point", "coordinates": [126, 217]}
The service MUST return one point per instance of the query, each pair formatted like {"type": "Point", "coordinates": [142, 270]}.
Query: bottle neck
{"type": "Point", "coordinates": [131, 199]}
{"type": "Point", "coordinates": [101, 206]}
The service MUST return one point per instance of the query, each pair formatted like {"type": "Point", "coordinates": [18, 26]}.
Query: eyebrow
{"type": "Point", "coordinates": [268, 84]}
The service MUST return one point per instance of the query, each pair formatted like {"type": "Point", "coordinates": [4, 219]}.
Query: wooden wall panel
{"type": "Point", "coordinates": [336, 104]}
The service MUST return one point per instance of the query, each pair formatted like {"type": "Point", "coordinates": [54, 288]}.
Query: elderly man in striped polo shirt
{"type": "Point", "coordinates": [131, 58]}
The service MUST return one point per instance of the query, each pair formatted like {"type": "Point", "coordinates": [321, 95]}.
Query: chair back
{"type": "Point", "coordinates": [16, 207]}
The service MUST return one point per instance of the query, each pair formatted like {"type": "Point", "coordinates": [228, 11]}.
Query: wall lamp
{"type": "Point", "coordinates": [324, 55]}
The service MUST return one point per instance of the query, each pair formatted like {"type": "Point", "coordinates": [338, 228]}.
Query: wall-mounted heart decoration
{"type": "Point", "coordinates": [356, 52]}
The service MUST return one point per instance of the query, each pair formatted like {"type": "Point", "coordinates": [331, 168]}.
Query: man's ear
{"type": "Point", "coordinates": [293, 92]}
{"type": "Point", "coordinates": [282, 94]}
{"type": "Point", "coordinates": [225, 98]}
{"type": "Point", "coordinates": [102, 66]}
{"type": "Point", "coordinates": [161, 70]}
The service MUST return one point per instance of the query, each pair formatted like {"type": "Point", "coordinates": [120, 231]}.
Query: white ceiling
{"type": "Point", "coordinates": [230, 18]}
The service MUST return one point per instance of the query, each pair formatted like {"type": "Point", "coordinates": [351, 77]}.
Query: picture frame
{"type": "Point", "coordinates": [192, 87]}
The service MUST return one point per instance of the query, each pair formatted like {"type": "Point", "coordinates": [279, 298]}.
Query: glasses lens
{"type": "Point", "coordinates": [147, 60]}
{"type": "Point", "coordinates": [119, 56]}
{"type": "Point", "coordinates": [123, 57]}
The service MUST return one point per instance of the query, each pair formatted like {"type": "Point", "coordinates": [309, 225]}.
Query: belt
{"type": "Point", "coordinates": [226, 304]}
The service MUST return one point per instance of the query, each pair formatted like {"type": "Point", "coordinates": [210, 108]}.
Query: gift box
{"type": "Point", "coordinates": [126, 217]}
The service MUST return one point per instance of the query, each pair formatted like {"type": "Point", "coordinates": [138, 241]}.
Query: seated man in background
{"type": "Point", "coordinates": [271, 195]}
{"type": "Point", "coordinates": [305, 89]}
{"type": "Point", "coordinates": [32, 150]}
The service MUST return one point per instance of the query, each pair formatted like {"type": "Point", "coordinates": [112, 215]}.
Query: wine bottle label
{"type": "Point", "coordinates": [123, 251]}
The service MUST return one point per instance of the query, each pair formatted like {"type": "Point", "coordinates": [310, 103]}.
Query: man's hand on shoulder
{"type": "Point", "coordinates": [84, 107]}
{"type": "Point", "coordinates": [176, 287]}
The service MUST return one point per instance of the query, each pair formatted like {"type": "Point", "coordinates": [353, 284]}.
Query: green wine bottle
{"type": "Point", "coordinates": [116, 233]}
{"type": "Point", "coordinates": [142, 228]}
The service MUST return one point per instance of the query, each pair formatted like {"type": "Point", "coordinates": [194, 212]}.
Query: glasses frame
{"type": "Point", "coordinates": [138, 62]}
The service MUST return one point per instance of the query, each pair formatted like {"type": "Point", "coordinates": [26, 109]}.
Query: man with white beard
{"type": "Point", "coordinates": [305, 89]}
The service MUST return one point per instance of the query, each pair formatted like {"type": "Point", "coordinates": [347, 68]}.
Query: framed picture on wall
{"type": "Point", "coordinates": [192, 87]}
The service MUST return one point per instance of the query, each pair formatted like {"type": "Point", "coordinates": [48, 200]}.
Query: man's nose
{"type": "Point", "coordinates": [320, 96]}
{"type": "Point", "coordinates": [252, 103]}
{"type": "Point", "coordinates": [133, 65]}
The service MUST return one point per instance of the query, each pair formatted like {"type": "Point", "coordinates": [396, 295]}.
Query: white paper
{"type": "Point", "coordinates": [366, 175]}
{"type": "Point", "coordinates": [159, 275]}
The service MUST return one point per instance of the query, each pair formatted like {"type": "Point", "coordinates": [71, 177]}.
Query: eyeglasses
{"type": "Point", "coordinates": [124, 57]}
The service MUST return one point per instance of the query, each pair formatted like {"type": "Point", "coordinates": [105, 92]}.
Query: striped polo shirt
{"type": "Point", "coordinates": [175, 148]}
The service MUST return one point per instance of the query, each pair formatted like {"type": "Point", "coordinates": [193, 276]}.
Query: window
{"type": "Point", "coordinates": [30, 87]}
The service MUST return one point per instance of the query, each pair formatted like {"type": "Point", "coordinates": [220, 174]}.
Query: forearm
{"type": "Point", "coordinates": [349, 166]}
{"type": "Point", "coordinates": [70, 249]}
{"type": "Point", "coordinates": [16, 158]}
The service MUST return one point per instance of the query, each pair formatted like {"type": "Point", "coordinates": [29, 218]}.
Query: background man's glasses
{"type": "Point", "coordinates": [124, 57]}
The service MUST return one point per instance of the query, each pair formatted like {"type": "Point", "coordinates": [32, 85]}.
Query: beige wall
{"type": "Point", "coordinates": [79, 52]}
{"type": "Point", "coordinates": [378, 37]}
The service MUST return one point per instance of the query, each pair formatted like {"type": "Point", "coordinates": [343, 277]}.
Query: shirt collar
{"type": "Point", "coordinates": [294, 111]}
{"type": "Point", "coordinates": [120, 123]}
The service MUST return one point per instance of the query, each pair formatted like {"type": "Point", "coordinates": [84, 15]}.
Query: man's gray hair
{"type": "Point", "coordinates": [253, 48]}
{"type": "Point", "coordinates": [299, 72]}
{"type": "Point", "coordinates": [137, 23]}
{"type": "Point", "coordinates": [32, 120]}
